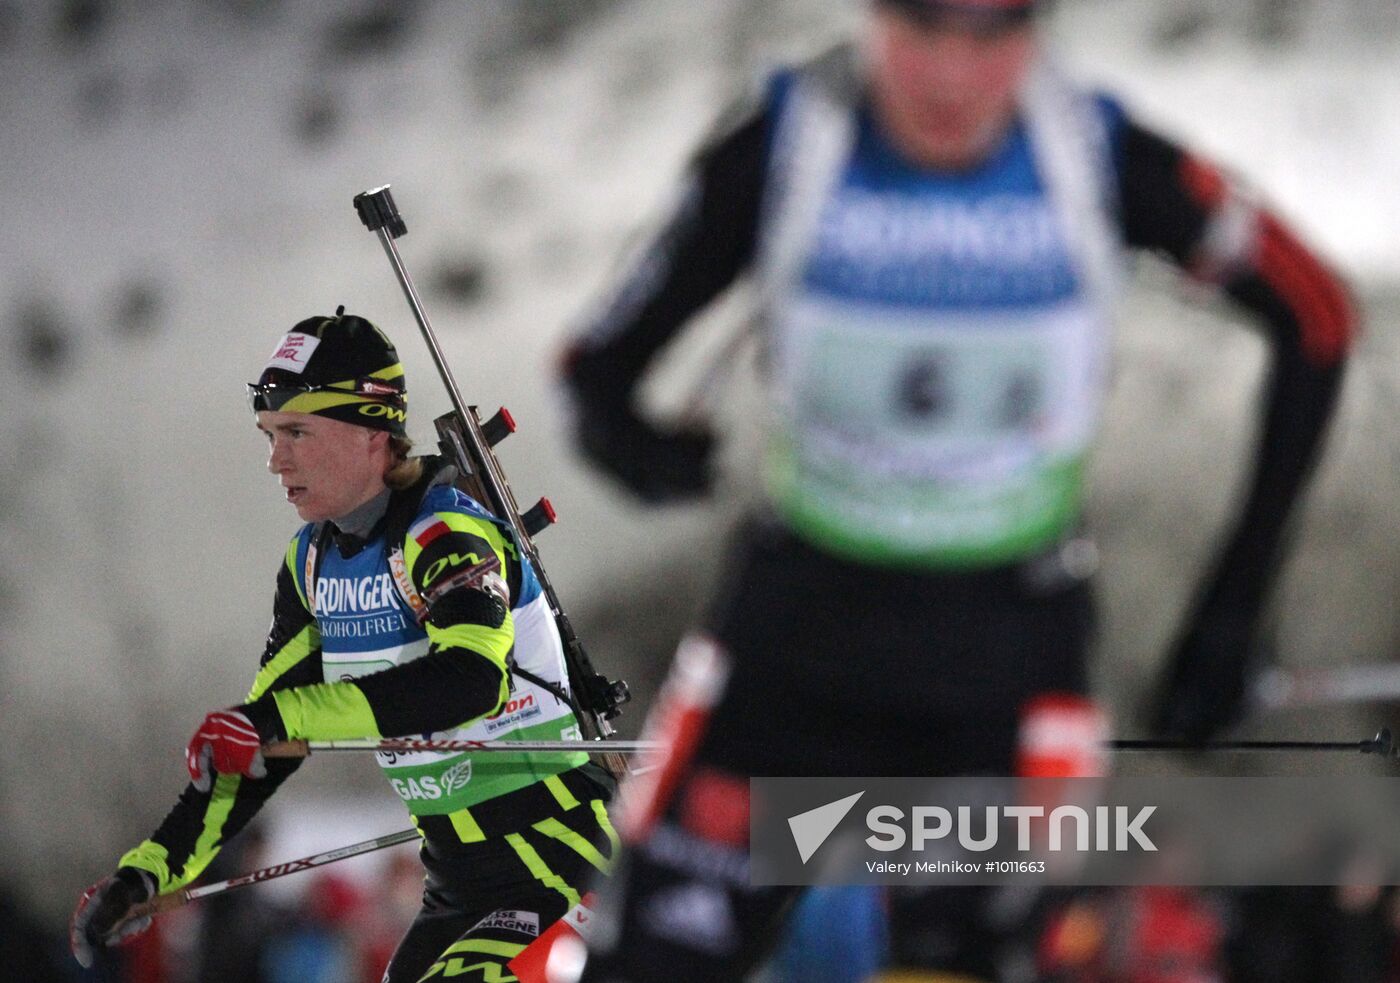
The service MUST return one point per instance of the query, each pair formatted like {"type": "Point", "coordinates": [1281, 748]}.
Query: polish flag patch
{"type": "Point", "coordinates": [427, 530]}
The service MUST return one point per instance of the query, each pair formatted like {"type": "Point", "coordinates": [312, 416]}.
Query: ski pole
{"type": "Point", "coordinates": [1383, 744]}
{"type": "Point", "coordinates": [405, 745]}
{"type": "Point", "coordinates": [177, 899]}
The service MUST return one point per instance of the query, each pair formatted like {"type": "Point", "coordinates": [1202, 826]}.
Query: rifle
{"type": "Point", "coordinates": [468, 441]}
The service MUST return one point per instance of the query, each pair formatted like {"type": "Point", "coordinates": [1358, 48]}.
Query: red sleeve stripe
{"type": "Point", "coordinates": [1316, 297]}
{"type": "Point", "coordinates": [437, 529]}
{"type": "Point", "coordinates": [1203, 182]}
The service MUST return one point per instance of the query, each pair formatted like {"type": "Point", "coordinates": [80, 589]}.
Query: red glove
{"type": "Point", "coordinates": [227, 743]}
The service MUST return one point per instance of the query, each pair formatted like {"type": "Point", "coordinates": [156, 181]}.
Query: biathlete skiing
{"type": "Point", "coordinates": [402, 609]}
{"type": "Point", "coordinates": [936, 222]}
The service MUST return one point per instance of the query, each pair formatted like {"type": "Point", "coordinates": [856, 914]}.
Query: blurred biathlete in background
{"type": "Point", "coordinates": [402, 609]}
{"type": "Point", "coordinates": [936, 221]}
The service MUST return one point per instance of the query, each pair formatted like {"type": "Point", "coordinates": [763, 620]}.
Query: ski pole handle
{"type": "Point", "coordinates": [159, 905]}
{"type": "Point", "coordinates": [287, 749]}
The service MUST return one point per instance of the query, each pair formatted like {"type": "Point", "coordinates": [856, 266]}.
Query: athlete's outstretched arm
{"type": "Point", "coordinates": [1181, 205]}
{"type": "Point", "coordinates": [202, 821]}
{"type": "Point", "coordinates": [702, 248]}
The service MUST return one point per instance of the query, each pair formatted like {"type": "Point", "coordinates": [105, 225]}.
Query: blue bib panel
{"type": "Point", "coordinates": [365, 624]}
{"type": "Point", "coordinates": [900, 237]}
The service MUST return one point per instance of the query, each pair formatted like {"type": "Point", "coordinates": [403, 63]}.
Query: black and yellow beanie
{"type": "Point", "coordinates": [342, 367]}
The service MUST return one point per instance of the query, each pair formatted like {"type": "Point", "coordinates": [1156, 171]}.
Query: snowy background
{"type": "Point", "coordinates": [177, 181]}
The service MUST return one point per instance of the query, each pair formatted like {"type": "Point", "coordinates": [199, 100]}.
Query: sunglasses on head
{"type": "Point", "coordinates": [274, 395]}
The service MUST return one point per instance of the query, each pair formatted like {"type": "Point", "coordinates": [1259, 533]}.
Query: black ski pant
{"type": "Point", "coordinates": [837, 669]}
{"type": "Point", "coordinates": [485, 901]}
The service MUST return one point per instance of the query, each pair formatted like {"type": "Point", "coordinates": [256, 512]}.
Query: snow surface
{"type": "Point", "coordinates": [530, 141]}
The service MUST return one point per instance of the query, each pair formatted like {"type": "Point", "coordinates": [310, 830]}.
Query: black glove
{"type": "Point", "coordinates": [657, 466]}
{"type": "Point", "coordinates": [98, 919]}
{"type": "Point", "coordinates": [1207, 681]}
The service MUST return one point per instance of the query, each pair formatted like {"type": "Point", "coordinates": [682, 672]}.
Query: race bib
{"type": "Point", "coordinates": [939, 439]}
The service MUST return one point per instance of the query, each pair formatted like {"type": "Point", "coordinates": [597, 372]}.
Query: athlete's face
{"type": "Point", "coordinates": [327, 468]}
{"type": "Point", "coordinates": [944, 88]}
